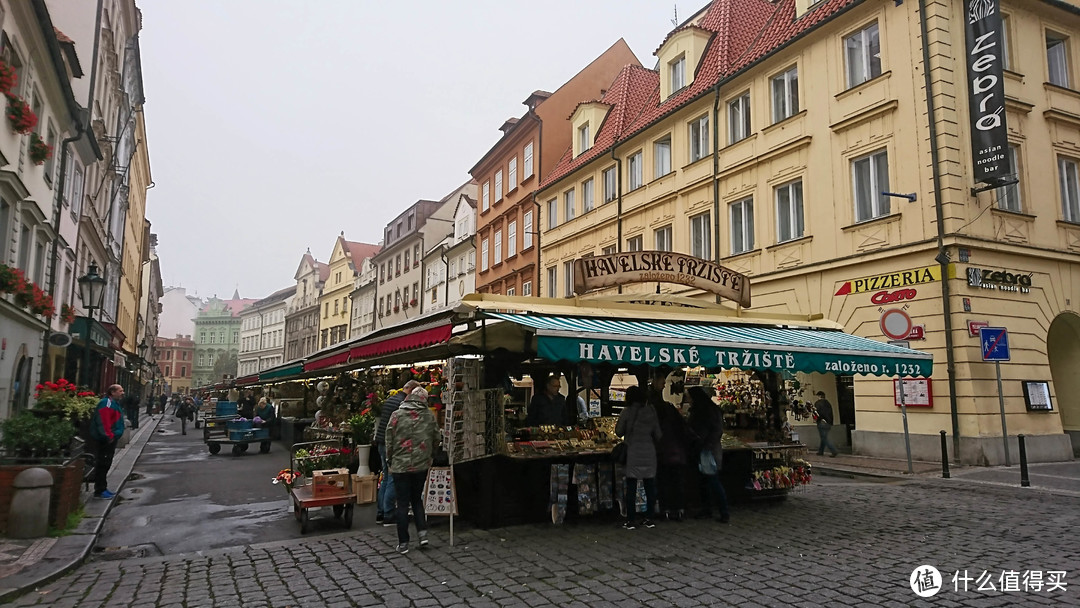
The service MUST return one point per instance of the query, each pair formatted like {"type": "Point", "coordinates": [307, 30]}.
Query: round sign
{"type": "Point", "coordinates": [895, 324]}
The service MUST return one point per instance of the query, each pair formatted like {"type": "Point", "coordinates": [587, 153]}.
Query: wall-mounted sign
{"type": "Point", "coordinates": [986, 90]}
{"type": "Point", "coordinates": [895, 324]}
{"type": "Point", "coordinates": [894, 280]}
{"type": "Point", "coordinates": [888, 297]}
{"type": "Point", "coordinates": [917, 392]}
{"type": "Point", "coordinates": [974, 326]}
{"type": "Point", "coordinates": [1001, 280]}
{"type": "Point", "coordinates": [659, 267]}
{"type": "Point", "coordinates": [918, 332]}
{"type": "Point", "coordinates": [1037, 396]}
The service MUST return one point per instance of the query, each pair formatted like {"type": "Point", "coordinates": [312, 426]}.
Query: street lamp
{"type": "Point", "coordinates": [91, 293]}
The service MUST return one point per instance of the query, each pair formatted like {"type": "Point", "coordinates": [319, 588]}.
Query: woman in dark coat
{"type": "Point", "coordinates": [707, 421]}
{"type": "Point", "coordinates": [640, 429]}
{"type": "Point", "coordinates": [672, 452]}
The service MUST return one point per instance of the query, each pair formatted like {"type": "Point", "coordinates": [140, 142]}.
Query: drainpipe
{"type": "Point", "coordinates": [716, 176]}
{"type": "Point", "coordinates": [942, 257]}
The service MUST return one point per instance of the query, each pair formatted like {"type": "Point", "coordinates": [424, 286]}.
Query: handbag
{"type": "Point", "coordinates": [707, 463]}
{"type": "Point", "coordinates": [618, 453]}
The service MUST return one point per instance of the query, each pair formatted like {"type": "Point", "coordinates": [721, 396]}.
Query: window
{"type": "Point", "coordinates": [742, 226]}
{"type": "Point", "coordinates": [635, 177]}
{"type": "Point", "coordinates": [553, 213]}
{"type": "Point", "coordinates": [484, 255]}
{"type": "Point", "coordinates": [416, 255]}
{"type": "Point", "coordinates": [789, 212]}
{"type": "Point", "coordinates": [183, 371]}
{"type": "Point", "coordinates": [326, 314]}
{"type": "Point", "coordinates": [498, 185]}
{"type": "Point", "coordinates": [584, 140]}
{"type": "Point", "coordinates": [568, 278]}
{"type": "Point", "coordinates": [336, 311]}
{"type": "Point", "coordinates": [862, 53]}
{"type": "Point", "coordinates": [662, 239]}
{"type": "Point", "coordinates": [77, 179]}
{"type": "Point", "coordinates": [701, 236]}
{"type": "Point", "coordinates": [526, 288]}
{"type": "Point", "coordinates": [50, 163]}
{"type": "Point", "coordinates": [485, 196]}
{"type": "Point", "coordinates": [587, 195]}
{"type": "Point", "coordinates": [1008, 197]}
{"type": "Point", "coordinates": [677, 69]}
{"type": "Point", "coordinates": [609, 250]}
{"type": "Point", "coordinates": [511, 175]}
{"type": "Point", "coordinates": [568, 205]}
{"type": "Point", "coordinates": [634, 243]}
{"type": "Point", "coordinates": [662, 157]}
{"type": "Point", "coordinates": [25, 236]}
{"type": "Point", "coordinates": [739, 118]}
{"type": "Point", "coordinates": [510, 291]}
{"type": "Point", "coordinates": [527, 166]}
{"type": "Point", "coordinates": [699, 138]}
{"type": "Point", "coordinates": [511, 239]}
{"type": "Point", "coordinates": [527, 230]}
{"type": "Point", "coordinates": [1005, 45]}
{"type": "Point", "coordinates": [397, 265]}
{"type": "Point", "coordinates": [610, 185]}
{"type": "Point", "coordinates": [472, 259]}
{"type": "Point", "coordinates": [406, 265]}
{"type": "Point", "coordinates": [1057, 59]}
{"type": "Point", "coordinates": [39, 262]}
{"type": "Point", "coordinates": [552, 282]}
{"type": "Point", "coordinates": [498, 247]}
{"type": "Point", "coordinates": [785, 95]}
{"type": "Point", "coordinates": [871, 178]}
{"type": "Point", "coordinates": [1070, 189]}
{"type": "Point", "coordinates": [415, 292]}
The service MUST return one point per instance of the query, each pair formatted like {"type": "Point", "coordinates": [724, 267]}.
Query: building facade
{"type": "Point", "coordinates": [178, 311]}
{"type": "Point", "coordinates": [175, 360]}
{"type": "Point", "coordinates": [262, 333]}
{"type": "Point", "coordinates": [217, 340]}
{"type": "Point", "coordinates": [449, 266]}
{"type": "Point", "coordinates": [302, 312]}
{"type": "Point", "coordinates": [510, 171]}
{"type": "Point", "coordinates": [776, 143]}
{"type": "Point", "coordinates": [149, 314]}
{"type": "Point", "coordinates": [346, 260]}
{"type": "Point", "coordinates": [363, 299]}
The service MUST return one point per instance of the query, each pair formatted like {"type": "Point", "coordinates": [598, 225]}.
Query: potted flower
{"type": "Point", "coordinates": [30, 437]}
{"type": "Point", "coordinates": [22, 118]}
{"type": "Point", "coordinates": [12, 280]}
{"type": "Point", "coordinates": [412, 302]}
{"type": "Point", "coordinates": [67, 314]}
{"type": "Point", "coordinates": [363, 432]}
{"type": "Point", "coordinates": [8, 77]}
{"type": "Point", "coordinates": [64, 398]}
{"type": "Point", "coordinates": [39, 150]}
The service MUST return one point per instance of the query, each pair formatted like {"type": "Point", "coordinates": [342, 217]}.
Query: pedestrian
{"type": "Point", "coordinates": [824, 415]}
{"type": "Point", "coordinates": [707, 421]}
{"type": "Point", "coordinates": [264, 411]}
{"type": "Point", "coordinates": [411, 438]}
{"type": "Point", "coordinates": [640, 429]}
{"type": "Point", "coordinates": [672, 451]}
{"type": "Point", "coordinates": [385, 497]}
{"type": "Point", "coordinates": [131, 408]}
{"type": "Point", "coordinates": [246, 406]}
{"type": "Point", "coordinates": [107, 426]}
{"type": "Point", "coordinates": [163, 400]}
{"type": "Point", "coordinates": [183, 412]}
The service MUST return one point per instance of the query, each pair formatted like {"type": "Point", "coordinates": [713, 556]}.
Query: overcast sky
{"type": "Point", "coordinates": [274, 125]}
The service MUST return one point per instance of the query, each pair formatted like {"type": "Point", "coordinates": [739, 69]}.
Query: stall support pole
{"type": "Point", "coordinates": [453, 507]}
{"type": "Point", "coordinates": [907, 437]}
{"type": "Point", "coordinates": [1001, 404]}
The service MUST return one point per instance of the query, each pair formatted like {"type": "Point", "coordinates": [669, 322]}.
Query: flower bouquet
{"type": "Point", "coordinates": [64, 397]}
{"type": "Point", "coordinates": [363, 427]}
{"type": "Point", "coordinates": [288, 479]}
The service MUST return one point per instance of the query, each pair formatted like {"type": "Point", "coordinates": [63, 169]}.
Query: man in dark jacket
{"type": "Point", "coordinates": [386, 500]}
{"type": "Point", "coordinates": [548, 406]}
{"type": "Point", "coordinates": [106, 428]}
{"type": "Point", "coordinates": [824, 413]}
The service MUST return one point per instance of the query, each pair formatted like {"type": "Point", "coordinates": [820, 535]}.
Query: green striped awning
{"type": "Point", "coordinates": [656, 343]}
{"type": "Point", "coordinates": [281, 372]}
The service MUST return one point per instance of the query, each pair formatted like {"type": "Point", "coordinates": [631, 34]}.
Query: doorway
{"type": "Point", "coordinates": [1063, 353]}
{"type": "Point", "coordinates": [845, 403]}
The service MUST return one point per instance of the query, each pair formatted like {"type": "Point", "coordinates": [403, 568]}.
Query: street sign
{"type": "Point", "coordinates": [975, 326]}
{"type": "Point", "coordinates": [895, 324]}
{"type": "Point", "coordinates": [995, 343]}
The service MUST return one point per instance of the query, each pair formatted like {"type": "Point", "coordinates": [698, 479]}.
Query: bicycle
{"type": "Point", "coordinates": [89, 469]}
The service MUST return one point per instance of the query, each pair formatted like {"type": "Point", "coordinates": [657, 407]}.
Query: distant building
{"type": "Point", "coordinates": [346, 260]}
{"type": "Point", "coordinates": [450, 264]}
{"type": "Point", "coordinates": [217, 335]}
{"type": "Point", "coordinates": [262, 333]}
{"type": "Point", "coordinates": [178, 312]}
{"type": "Point", "coordinates": [176, 361]}
{"type": "Point", "coordinates": [302, 313]}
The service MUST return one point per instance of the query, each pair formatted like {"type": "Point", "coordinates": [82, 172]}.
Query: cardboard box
{"type": "Point", "coordinates": [364, 487]}
{"type": "Point", "coordinates": [330, 482]}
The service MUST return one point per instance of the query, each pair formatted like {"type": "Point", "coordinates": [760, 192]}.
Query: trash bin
{"type": "Point", "coordinates": [288, 437]}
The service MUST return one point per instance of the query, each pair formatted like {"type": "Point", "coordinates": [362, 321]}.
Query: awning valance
{"type": "Point", "coordinates": [732, 346]}
{"type": "Point", "coordinates": [327, 361]}
{"type": "Point", "coordinates": [281, 372]}
{"type": "Point", "coordinates": [415, 338]}
{"type": "Point", "coordinates": [252, 379]}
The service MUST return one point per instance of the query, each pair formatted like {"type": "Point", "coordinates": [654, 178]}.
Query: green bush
{"type": "Point", "coordinates": [27, 435]}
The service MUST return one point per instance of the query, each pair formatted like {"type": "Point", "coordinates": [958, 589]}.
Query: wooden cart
{"type": "Point", "coordinates": [303, 501]}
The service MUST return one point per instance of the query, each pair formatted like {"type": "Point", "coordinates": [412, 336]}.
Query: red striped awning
{"type": "Point", "coordinates": [416, 339]}
{"type": "Point", "coordinates": [247, 380]}
{"type": "Point", "coordinates": [327, 361]}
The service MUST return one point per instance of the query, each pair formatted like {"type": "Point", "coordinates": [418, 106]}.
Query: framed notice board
{"type": "Point", "coordinates": [917, 392]}
{"type": "Point", "coordinates": [1037, 396]}
{"type": "Point", "coordinates": [440, 497]}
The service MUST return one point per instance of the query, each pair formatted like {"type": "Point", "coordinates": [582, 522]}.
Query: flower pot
{"type": "Point", "coordinates": [363, 452]}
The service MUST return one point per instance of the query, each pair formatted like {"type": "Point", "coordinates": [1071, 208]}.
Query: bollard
{"type": "Point", "coordinates": [1024, 481]}
{"type": "Point", "coordinates": [29, 515]}
{"type": "Point", "coordinates": [944, 457]}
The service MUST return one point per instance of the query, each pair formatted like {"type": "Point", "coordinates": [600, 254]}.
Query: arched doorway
{"type": "Point", "coordinates": [1063, 351]}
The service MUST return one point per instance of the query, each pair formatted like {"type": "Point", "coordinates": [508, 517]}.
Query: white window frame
{"type": "Point", "coordinates": [553, 282]}
{"type": "Point", "coordinates": [635, 243]}
{"type": "Point", "coordinates": [553, 213]}
{"type": "Point", "coordinates": [635, 177]}
{"type": "Point", "coordinates": [742, 231]}
{"type": "Point", "coordinates": [860, 64]}
{"type": "Point", "coordinates": [568, 278]}
{"type": "Point", "coordinates": [662, 238]}
{"type": "Point", "coordinates": [1057, 59]}
{"type": "Point", "coordinates": [511, 239]}
{"type": "Point", "coordinates": [609, 250]}
{"type": "Point", "coordinates": [584, 139]}
{"type": "Point", "coordinates": [485, 196]}
{"type": "Point", "coordinates": [484, 255]}
{"type": "Point", "coordinates": [498, 248]}
{"type": "Point", "coordinates": [662, 157]}
{"type": "Point", "coordinates": [526, 288]}
{"type": "Point", "coordinates": [611, 184]}
{"type": "Point", "coordinates": [527, 230]}
{"type": "Point", "coordinates": [790, 222]}
{"type": "Point", "coordinates": [511, 175]}
{"type": "Point", "coordinates": [498, 185]}
{"type": "Point", "coordinates": [701, 235]}
{"type": "Point", "coordinates": [739, 118]}
{"type": "Point", "coordinates": [527, 165]}
{"type": "Point", "coordinates": [1069, 178]}
{"type": "Point", "coordinates": [879, 204]}
{"type": "Point", "coordinates": [1008, 197]}
{"type": "Point", "coordinates": [587, 198]}
{"type": "Point", "coordinates": [510, 291]}
{"type": "Point", "coordinates": [677, 71]}
{"type": "Point", "coordinates": [785, 94]}
{"type": "Point", "coordinates": [698, 130]}
{"type": "Point", "coordinates": [569, 205]}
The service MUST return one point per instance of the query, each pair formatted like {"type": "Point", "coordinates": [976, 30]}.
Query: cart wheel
{"type": "Point", "coordinates": [348, 516]}
{"type": "Point", "coordinates": [214, 447]}
{"type": "Point", "coordinates": [338, 509]}
{"type": "Point", "coordinates": [264, 447]}
{"type": "Point", "coordinates": [236, 451]}
{"type": "Point", "coordinates": [305, 523]}
{"type": "Point", "coordinates": [243, 447]}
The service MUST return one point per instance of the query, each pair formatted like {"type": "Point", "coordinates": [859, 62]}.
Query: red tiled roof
{"type": "Point", "coordinates": [358, 252]}
{"type": "Point", "coordinates": [324, 271]}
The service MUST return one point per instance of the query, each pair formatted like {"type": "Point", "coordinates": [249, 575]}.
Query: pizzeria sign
{"type": "Point", "coordinates": [597, 272]}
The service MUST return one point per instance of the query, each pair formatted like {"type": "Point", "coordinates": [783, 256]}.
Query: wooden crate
{"type": "Point", "coordinates": [330, 482]}
{"type": "Point", "coordinates": [364, 487]}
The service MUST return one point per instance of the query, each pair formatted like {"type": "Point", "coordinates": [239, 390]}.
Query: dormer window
{"type": "Point", "coordinates": [584, 140]}
{"type": "Point", "coordinates": [677, 70]}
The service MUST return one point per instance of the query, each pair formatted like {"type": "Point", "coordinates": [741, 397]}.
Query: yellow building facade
{"type": "Point", "coordinates": [334, 311]}
{"type": "Point", "coordinates": [136, 234]}
{"type": "Point", "coordinates": [793, 145]}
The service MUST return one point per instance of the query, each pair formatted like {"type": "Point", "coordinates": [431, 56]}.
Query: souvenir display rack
{"type": "Point", "coordinates": [597, 436]}
{"type": "Point", "coordinates": [778, 467]}
{"type": "Point", "coordinates": [474, 418]}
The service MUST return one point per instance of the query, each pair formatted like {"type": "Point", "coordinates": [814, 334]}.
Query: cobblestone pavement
{"type": "Point", "coordinates": [833, 543]}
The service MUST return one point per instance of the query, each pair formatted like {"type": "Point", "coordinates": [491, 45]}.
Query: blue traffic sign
{"type": "Point", "coordinates": [995, 343]}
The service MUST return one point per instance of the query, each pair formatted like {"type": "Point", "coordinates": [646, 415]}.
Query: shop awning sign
{"type": "Point", "coordinates": [596, 272]}
{"type": "Point", "coordinates": [894, 280]}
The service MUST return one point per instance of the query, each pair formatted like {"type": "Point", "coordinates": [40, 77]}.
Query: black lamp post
{"type": "Point", "coordinates": [91, 293]}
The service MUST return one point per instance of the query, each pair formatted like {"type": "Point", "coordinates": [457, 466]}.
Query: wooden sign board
{"type": "Point", "coordinates": [601, 271]}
